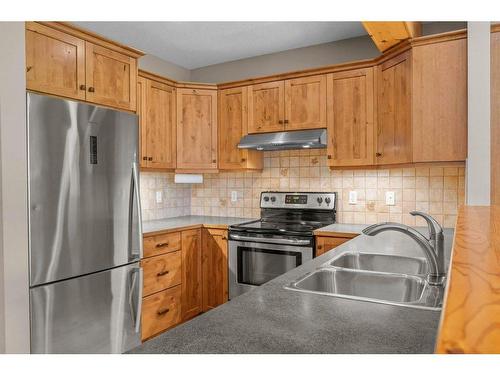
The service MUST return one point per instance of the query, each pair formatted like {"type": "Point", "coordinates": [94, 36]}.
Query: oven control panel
{"type": "Point", "coordinates": [305, 200]}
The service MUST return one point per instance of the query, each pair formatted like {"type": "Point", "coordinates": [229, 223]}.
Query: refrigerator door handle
{"type": "Point", "coordinates": [136, 310]}
{"type": "Point", "coordinates": [136, 194]}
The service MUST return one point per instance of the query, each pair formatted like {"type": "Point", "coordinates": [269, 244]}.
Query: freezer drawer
{"type": "Point", "coordinates": [97, 313]}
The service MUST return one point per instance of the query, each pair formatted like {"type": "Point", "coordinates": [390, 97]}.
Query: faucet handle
{"type": "Point", "coordinates": [434, 226]}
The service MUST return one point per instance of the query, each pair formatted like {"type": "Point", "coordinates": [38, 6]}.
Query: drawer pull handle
{"type": "Point", "coordinates": [161, 244]}
{"type": "Point", "coordinates": [91, 89]}
{"type": "Point", "coordinates": [163, 311]}
{"type": "Point", "coordinates": [162, 273]}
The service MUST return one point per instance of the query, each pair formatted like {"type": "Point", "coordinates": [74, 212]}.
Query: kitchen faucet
{"type": "Point", "coordinates": [433, 247]}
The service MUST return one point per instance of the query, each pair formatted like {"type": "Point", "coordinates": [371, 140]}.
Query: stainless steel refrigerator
{"type": "Point", "coordinates": [85, 227]}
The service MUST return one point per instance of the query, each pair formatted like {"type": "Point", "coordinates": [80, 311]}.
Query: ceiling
{"type": "Point", "coordinates": [197, 44]}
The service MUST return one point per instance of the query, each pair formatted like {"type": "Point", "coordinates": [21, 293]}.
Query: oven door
{"type": "Point", "coordinates": [254, 263]}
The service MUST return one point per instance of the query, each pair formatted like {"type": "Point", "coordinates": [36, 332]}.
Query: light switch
{"type": "Point", "coordinates": [390, 199]}
{"type": "Point", "coordinates": [158, 196]}
{"type": "Point", "coordinates": [353, 197]}
{"type": "Point", "coordinates": [234, 196]}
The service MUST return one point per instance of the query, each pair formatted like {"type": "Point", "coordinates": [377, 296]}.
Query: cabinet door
{"type": "Point", "coordinates": [160, 125]}
{"type": "Point", "coordinates": [305, 103]}
{"type": "Point", "coordinates": [266, 107]}
{"type": "Point", "coordinates": [394, 111]}
{"type": "Point", "coordinates": [350, 101]}
{"type": "Point", "coordinates": [196, 129]}
{"type": "Point", "coordinates": [111, 77]}
{"type": "Point", "coordinates": [440, 101]}
{"type": "Point", "coordinates": [325, 244]}
{"type": "Point", "coordinates": [141, 112]}
{"type": "Point", "coordinates": [214, 268]}
{"type": "Point", "coordinates": [233, 124]}
{"type": "Point", "coordinates": [55, 62]}
{"type": "Point", "coordinates": [191, 273]}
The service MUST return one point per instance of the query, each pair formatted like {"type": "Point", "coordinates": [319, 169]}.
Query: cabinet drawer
{"type": "Point", "coordinates": [161, 272]}
{"type": "Point", "coordinates": [161, 311]}
{"type": "Point", "coordinates": [162, 244]}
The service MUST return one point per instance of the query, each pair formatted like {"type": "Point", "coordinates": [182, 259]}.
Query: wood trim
{"type": "Point", "coordinates": [156, 77]}
{"type": "Point", "coordinates": [90, 36]}
{"type": "Point", "coordinates": [439, 38]}
{"type": "Point", "coordinates": [386, 34]}
{"type": "Point", "coordinates": [470, 320]}
{"type": "Point", "coordinates": [197, 85]}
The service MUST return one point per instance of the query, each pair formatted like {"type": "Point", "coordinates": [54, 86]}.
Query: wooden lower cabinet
{"type": "Point", "coordinates": [160, 311]}
{"type": "Point", "coordinates": [326, 243]}
{"type": "Point", "coordinates": [214, 267]}
{"type": "Point", "coordinates": [161, 272]}
{"type": "Point", "coordinates": [191, 273]}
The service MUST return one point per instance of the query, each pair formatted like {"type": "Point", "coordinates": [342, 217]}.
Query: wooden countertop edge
{"type": "Point", "coordinates": [324, 233]}
{"type": "Point", "coordinates": [470, 320]}
{"type": "Point", "coordinates": [185, 227]}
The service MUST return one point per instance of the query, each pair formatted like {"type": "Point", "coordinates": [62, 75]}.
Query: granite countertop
{"type": "Point", "coordinates": [271, 319]}
{"type": "Point", "coordinates": [179, 222]}
{"type": "Point", "coordinates": [342, 228]}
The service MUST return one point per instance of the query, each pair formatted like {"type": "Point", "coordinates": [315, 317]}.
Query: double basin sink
{"type": "Point", "coordinates": [381, 278]}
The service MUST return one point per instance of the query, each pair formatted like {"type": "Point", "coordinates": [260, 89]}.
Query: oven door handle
{"type": "Point", "coordinates": [269, 240]}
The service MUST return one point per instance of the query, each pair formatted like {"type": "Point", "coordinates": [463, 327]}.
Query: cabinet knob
{"type": "Point", "coordinates": [280, 122]}
{"type": "Point", "coordinates": [82, 87]}
{"type": "Point", "coordinates": [28, 68]}
{"type": "Point", "coordinates": [150, 159]}
{"type": "Point", "coordinates": [91, 89]}
{"type": "Point", "coordinates": [243, 160]}
{"type": "Point", "coordinates": [224, 238]}
{"type": "Point", "coordinates": [378, 154]}
{"type": "Point", "coordinates": [320, 247]}
{"type": "Point", "coordinates": [161, 244]}
{"type": "Point", "coordinates": [286, 121]}
{"type": "Point", "coordinates": [329, 156]}
{"type": "Point", "coordinates": [214, 161]}
{"type": "Point", "coordinates": [144, 158]}
{"type": "Point", "coordinates": [162, 273]}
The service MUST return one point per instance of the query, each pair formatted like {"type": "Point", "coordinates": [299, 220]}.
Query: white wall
{"type": "Point", "coordinates": [478, 155]}
{"type": "Point", "coordinates": [14, 220]}
{"type": "Point", "coordinates": [164, 68]}
{"type": "Point", "coordinates": [286, 61]}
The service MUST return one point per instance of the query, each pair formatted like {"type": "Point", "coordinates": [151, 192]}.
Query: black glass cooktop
{"type": "Point", "coordinates": [280, 226]}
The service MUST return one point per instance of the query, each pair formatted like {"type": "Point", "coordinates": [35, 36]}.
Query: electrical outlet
{"type": "Point", "coordinates": [234, 196]}
{"type": "Point", "coordinates": [158, 196]}
{"type": "Point", "coordinates": [390, 198]}
{"type": "Point", "coordinates": [353, 197]}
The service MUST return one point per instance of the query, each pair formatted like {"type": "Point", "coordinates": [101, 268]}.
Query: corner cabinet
{"type": "Point", "coordinates": [233, 124]}
{"type": "Point", "coordinates": [66, 61]}
{"type": "Point", "coordinates": [350, 110]}
{"type": "Point", "coordinates": [394, 128]}
{"type": "Point", "coordinates": [156, 107]}
{"type": "Point", "coordinates": [196, 129]}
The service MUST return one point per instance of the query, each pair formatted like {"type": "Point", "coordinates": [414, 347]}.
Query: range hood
{"type": "Point", "coordinates": [292, 140]}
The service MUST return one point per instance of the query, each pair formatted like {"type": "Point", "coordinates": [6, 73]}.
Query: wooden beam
{"type": "Point", "coordinates": [387, 34]}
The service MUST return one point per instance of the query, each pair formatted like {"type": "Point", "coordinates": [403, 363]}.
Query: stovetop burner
{"type": "Point", "coordinates": [305, 213]}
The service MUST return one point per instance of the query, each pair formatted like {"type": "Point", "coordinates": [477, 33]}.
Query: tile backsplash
{"type": "Point", "coordinates": [175, 198]}
{"type": "Point", "coordinates": [435, 190]}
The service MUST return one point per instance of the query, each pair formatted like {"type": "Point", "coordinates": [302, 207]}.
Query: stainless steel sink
{"type": "Point", "coordinates": [382, 263]}
{"type": "Point", "coordinates": [363, 285]}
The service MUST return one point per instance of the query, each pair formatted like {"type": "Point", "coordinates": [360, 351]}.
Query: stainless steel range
{"type": "Point", "coordinates": [281, 240]}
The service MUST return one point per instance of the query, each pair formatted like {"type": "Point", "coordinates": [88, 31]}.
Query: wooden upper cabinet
{"type": "Point", "coordinates": [394, 126]}
{"type": "Point", "coordinates": [55, 62]}
{"type": "Point", "coordinates": [196, 128]}
{"type": "Point", "coordinates": [141, 112]}
{"type": "Point", "coordinates": [233, 124]}
{"type": "Point", "coordinates": [305, 103]}
{"type": "Point", "coordinates": [111, 77]}
{"type": "Point", "coordinates": [214, 267]}
{"type": "Point", "coordinates": [350, 102]}
{"type": "Point", "coordinates": [191, 273]}
{"type": "Point", "coordinates": [266, 107]}
{"type": "Point", "coordinates": [440, 101]}
{"type": "Point", "coordinates": [160, 125]}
